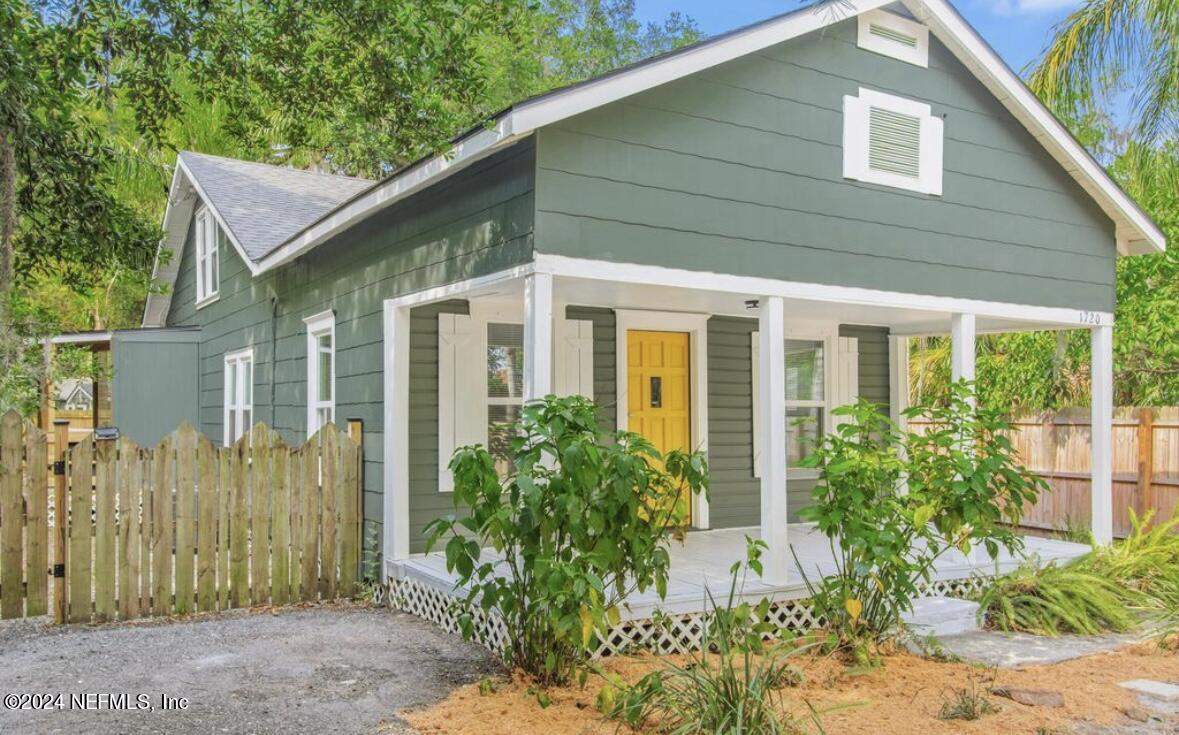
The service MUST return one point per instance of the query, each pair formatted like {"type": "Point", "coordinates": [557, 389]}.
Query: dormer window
{"type": "Point", "coordinates": [892, 141]}
{"type": "Point", "coordinates": [208, 236]}
{"type": "Point", "coordinates": [891, 35]}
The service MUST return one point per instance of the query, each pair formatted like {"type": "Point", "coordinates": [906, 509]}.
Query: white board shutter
{"type": "Point", "coordinates": [461, 397]}
{"type": "Point", "coordinates": [575, 353]}
{"type": "Point", "coordinates": [755, 338]}
{"type": "Point", "coordinates": [847, 373]}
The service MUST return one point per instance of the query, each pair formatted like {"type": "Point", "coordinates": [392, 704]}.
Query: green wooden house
{"type": "Point", "coordinates": [710, 244]}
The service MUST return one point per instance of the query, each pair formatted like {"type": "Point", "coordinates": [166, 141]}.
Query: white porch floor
{"type": "Point", "coordinates": [703, 561]}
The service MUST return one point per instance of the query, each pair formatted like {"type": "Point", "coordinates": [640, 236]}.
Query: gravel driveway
{"type": "Point", "coordinates": [337, 668]}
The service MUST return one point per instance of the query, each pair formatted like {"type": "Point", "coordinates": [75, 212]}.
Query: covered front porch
{"type": "Point", "coordinates": [702, 562]}
{"type": "Point", "coordinates": [572, 318]}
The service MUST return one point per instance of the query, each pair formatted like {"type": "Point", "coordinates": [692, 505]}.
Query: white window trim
{"type": "Point", "coordinates": [318, 325]}
{"type": "Point", "coordinates": [855, 142]}
{"type": "Point", "coordinates": [206, 234]}
{"type": "Point", "coordinates": [917, 55]}
{"type": "Point", "coordinates": [828, 334]}
{"type": "Point", "coordinates": [231, 361]}
{"type": "Point", "coordinates": [696, 325]}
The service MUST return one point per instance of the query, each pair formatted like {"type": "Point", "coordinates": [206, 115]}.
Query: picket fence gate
{"type": "Point", "coordinates": [185, 526]}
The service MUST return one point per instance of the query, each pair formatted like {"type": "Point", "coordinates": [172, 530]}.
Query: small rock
{"type": "Point", "coordinates": [1031, 697]}
{"type": "Point", "coordinates": [1136, 713]}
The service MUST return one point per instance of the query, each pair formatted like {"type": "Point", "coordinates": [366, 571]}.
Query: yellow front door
{"type": "Point", "coordinates": [659, 400]}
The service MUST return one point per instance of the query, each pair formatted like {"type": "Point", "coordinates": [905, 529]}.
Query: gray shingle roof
{"type": "Point", "coordinates": [266, 205]}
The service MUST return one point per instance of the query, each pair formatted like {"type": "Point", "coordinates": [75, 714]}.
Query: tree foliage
{"type": "Point", "coordinates": [1106, 46]}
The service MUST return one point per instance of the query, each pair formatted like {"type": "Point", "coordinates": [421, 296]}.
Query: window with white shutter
{"type": "Point", "coordinates": [892, 141]}
{"type": "Point", "coordinates": [891, 35]}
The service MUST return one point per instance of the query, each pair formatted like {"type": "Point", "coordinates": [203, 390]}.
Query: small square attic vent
{"type": "Point", "coordinates": [891, 35]}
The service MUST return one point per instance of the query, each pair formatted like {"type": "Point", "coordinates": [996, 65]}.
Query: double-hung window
{"type": "Point", "coordinates": [207, 238]}
{"type": "Point", "coordinates": [819, 373]}
{"type": "Point", "coordinates": [321, 370]}
{"type": "Point", "coordinates": [805, 397]}
{"type": "Point", "coordinates": [239, 394]}
{"type": "Point", "coordinates": [505, 388]}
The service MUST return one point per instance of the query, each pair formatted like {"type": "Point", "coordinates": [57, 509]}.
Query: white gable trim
{"type": "Point", "coordinates": [177, 213]}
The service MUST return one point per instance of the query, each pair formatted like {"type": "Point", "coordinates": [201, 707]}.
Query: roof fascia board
{"type": "Point", "coordinates": [153, 298]}
{"type": "Point", "coordinates": [593, 94]}
{"type": "Point", "coordinates": [965, 43]}
{"type": "Point", "coordinates": [254, 268]}
{"type": "Point", "coordinates": [467, 151]}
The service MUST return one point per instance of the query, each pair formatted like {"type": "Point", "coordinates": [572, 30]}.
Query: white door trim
{"type": "Point", "coordinates": [696, 325]}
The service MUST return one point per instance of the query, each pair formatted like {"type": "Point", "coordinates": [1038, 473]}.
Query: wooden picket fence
{"type": "Point", "coordinates": [1056, 446]}
{"type": "Point", "coordinates": [186, 526]}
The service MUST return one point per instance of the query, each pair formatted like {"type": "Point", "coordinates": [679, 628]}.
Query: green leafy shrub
{"type": "Point", "coordinates": [580, 521]}
{"type": "Point", "coordinates": [964, 486]}
{"type": "Point", "coordinates": [734, 685]}
{"type": "Point", "coordinates": [1051, 600]}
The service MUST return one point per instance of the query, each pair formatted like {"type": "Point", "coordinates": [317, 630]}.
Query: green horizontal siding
{"type": "Point", "coordinates": [738, 169]}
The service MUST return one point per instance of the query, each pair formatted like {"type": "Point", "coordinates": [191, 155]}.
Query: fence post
{"type": "Point", "coordinates": [1145, 495]}
{"type": "Point", "coordinates": [61, 445]}
{"type": "Point", "coordinates": [356, 434]}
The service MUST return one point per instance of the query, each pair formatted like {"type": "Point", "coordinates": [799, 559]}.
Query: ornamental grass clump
{"type": "Point", "coordinates": [1052, 600]}
{"type": "Point", "coordinates": [892, 503]}
{"type": "Point", "coordinates": [734, 684]}
{"type": "Point", "coordinates": [580, 520]}
{"type": "Point", "coordinates": [1145, 561]}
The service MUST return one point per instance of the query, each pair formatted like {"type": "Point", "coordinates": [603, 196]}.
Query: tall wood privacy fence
{"type": "Point", "coordinates": [1056, 445]}
{"type": "Point", "coordinates": [182, 527]}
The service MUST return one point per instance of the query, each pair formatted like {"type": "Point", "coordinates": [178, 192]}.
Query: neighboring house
{"type": "Point", "coordinates": [74, 394]}
{"type": "Point", "coordinates": [711, 244]}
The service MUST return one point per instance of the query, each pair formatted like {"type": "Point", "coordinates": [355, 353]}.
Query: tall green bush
{"type": "Point", "coordinates": [580, 521]}
{"type": "Point", "coordinates": [892, 503]}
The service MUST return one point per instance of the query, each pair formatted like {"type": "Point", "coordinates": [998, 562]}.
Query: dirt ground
{"type": "Point", "coordinates": [334, 668]}
{"type": "Point", "coordinates": [901, 697]}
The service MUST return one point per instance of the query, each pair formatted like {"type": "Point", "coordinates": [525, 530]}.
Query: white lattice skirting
{"type": "Point", "coordinates": [667, 634]}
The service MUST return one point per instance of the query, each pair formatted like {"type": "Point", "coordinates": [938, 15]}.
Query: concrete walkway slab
{"type": "Point", "coordinates": [1015, 650]}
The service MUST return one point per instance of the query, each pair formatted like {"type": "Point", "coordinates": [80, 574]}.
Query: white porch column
{"type": "Point", "coordinates": [538, 336]}
{"type": "Point", "coordinates": [395, 511]}
{"type": "Point", "coordinates": [1101, 374]}
{"type": "Point", "coordinates": [962, 347]}
{"type": "Point", "coordinates": [772, 348]}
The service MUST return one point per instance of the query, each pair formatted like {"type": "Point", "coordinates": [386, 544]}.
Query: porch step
{"type": "Point", "coordinates": [942, 616]}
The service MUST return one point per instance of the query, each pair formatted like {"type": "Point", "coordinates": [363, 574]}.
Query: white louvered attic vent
{"type": "Point", "coordinates": [892, 141]}
{"type": "Point", "coordinates": [891, 35]}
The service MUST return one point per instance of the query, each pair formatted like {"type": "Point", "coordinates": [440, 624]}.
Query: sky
{"type": "Point", "coordinates": [1017, 29]}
